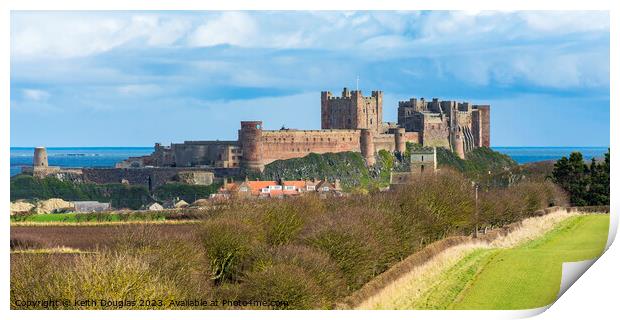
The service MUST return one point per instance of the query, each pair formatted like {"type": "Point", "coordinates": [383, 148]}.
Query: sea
{"type": "Point", "coordinates": [106, 157]}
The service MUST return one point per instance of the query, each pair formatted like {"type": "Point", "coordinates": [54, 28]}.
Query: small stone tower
{"type": "Point", "coordinates": [458, 146]}
{"type": "Point", "coordinates": [367, 146]}
{"type": "Point", "coordinates": [423, 160]}
{"type": "Point", "coordinates": [399, 140]}
{"type": "Point", "coordinates": [251, 143]}
{"type": "Point", "coordinates": [40, 157]}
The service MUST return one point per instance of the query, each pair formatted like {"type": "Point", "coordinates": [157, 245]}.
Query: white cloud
{"type": "Point", "coordinates": [234, 28]}
{"type": "Point", "coordinates": [35, 94]}
{"type": "Point", "coordinates": [66, 35]}
{"type": "Point", "coordinates": [548, 49]}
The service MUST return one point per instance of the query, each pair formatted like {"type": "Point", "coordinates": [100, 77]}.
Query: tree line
{"type": "Point", "coordinates": [587, 184]}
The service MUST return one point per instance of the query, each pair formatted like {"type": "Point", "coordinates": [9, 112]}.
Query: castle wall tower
{"type": "Point", "coordinates": [251, 143]}
{"type": "Point", "coordinates": [40, 157]}
{"type": "Point", "coordinates": [458, 146]}
{"type": "Point", "coordinates": [325, 109]}
{"type": "Point", "coordinates": [399, 140]}
{"type": "Point", "coordinates": [378, 105]}
{"type": "Point", "coordinates": [367, 146]}
{"type": "Point", "coordinates": [485, 125]}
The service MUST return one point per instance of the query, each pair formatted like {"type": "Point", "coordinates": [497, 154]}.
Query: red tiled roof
{"type": "Point", "coordinates": [299, 184]}
{"type": "Point", "coordinates": [256, 186]}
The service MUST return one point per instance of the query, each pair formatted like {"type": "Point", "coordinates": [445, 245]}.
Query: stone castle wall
{"type": "Point", "coordinates": [287, 144]}
{"type": "Point", "coordinates": [148, 177]}
{"type": "Point", "coordinates": [200, 153]}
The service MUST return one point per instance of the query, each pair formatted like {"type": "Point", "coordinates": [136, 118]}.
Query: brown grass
{"type": "Point", "coordinates": [309, 251]}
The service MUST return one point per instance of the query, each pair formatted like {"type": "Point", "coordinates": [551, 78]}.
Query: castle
{"type": "Point", "coordinates": [349, 122]}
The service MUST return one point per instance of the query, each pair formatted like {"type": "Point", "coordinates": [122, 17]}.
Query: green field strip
{"type": "Point", "coordinates": [523, 277]}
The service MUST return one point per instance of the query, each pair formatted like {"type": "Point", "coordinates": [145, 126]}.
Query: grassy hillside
{"type": "Point", "coordinates": [119, 195]}
{"type": "Point", "coordinates": [349, 167]}
{"type": "Point", "coordinates": [483, 165]}
{"type": "Point", "coordinates": [478, 161]}
{"type": "Point", "coordinates": [187, 192]}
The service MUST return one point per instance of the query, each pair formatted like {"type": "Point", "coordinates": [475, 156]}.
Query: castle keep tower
{"type": "Point", "coordinates": [251, 143]}
{"type": "Point", "coordinates": [352, 110]}
{"type": "Point", "coordinates": [40, 157]}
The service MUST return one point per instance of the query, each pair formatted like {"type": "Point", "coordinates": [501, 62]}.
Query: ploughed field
{"type": "Point", "coordinates": [91, 237]}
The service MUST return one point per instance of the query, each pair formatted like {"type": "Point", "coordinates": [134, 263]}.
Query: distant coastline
{"type": "Point", "coordinates": [108, 156]}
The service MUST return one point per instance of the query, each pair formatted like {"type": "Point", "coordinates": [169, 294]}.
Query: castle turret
{"type": "Point", "coordinates": [367, 146]}
{"type": "Point", "coordinates": [40, 157]}
{"type": "Point", "coordinates": [325, 109]}
{"type": "Point", "coordinates": [399, 140]}
{"type": "Point", "coordinates": [458, 146]}
{"type": "Point", "coordinates": [251, 143]}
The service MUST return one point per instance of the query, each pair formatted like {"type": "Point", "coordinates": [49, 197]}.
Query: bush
{"type": "Point", "coordinates": [316, 265]}
{"type": "Point", "coordinates": [229, 246]}
{"type": "Point", "coordinates": [349, 244]}
{"type": "Point", "coordinates": [106, 275]}
{"type": "Point", "coordinates": [282, 223]}
{"type": "Point", "coordinates": [282, 282]}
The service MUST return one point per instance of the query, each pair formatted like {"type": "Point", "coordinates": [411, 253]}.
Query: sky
{"type": "Point", "coordinates": [135, 78]}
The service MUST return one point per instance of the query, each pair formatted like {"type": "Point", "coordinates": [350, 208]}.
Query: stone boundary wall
{"type": "Point", "coordinates": [148, 177]}
{"type": "Point", "coordinates": [589, 209]}
{"type": "Point", "coordinates": [417, 259]}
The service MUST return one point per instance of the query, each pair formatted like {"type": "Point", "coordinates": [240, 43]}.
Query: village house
{"type": "Point", "coordinates": [276, 189]}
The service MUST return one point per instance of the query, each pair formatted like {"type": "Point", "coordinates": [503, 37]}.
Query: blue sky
{"type": "Point", "coordinates": [135, 78]}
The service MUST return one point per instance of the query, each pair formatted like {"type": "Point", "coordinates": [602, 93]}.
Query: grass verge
{"type": "Point", "coordinates": [518, 271]}
{"type": "Point", "coordinates": [529, 276]}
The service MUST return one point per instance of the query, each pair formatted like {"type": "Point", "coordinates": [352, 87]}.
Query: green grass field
{"type": "Point", "coordinates": [524, 277]}
{"type": "Point", "coordinates": [88, 217]}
